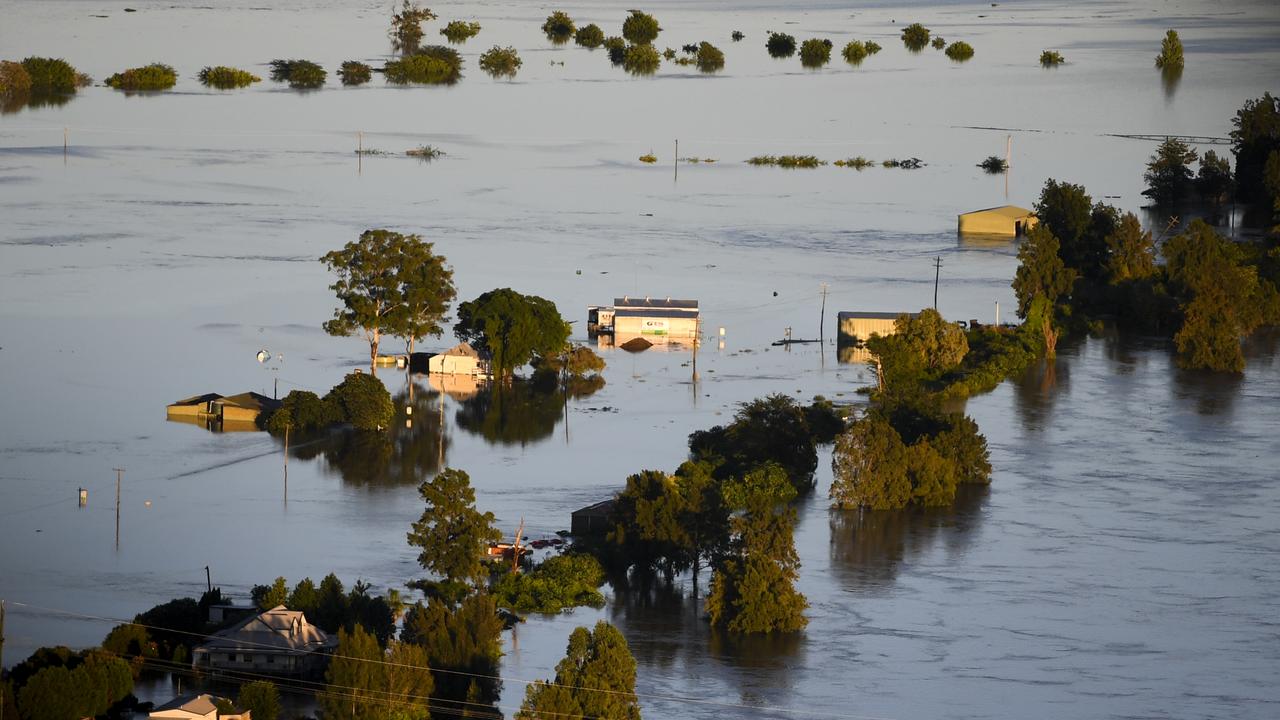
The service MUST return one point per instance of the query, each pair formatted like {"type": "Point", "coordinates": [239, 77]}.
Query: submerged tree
{"type": "Point", "coordinates": [596, 679]}
{"type": "Point", "coordinates": [815, 52]}
{"type": "Point", "coordinates": [1041, 272]}
{"type": "Point", "coordinates": [512, 327]}
{"type": "Point", "coordinates": [1170, 57]}
{"type": "Point", "coordinates": [589, 36]}
{"type": "Point", "coordinates": [501, 61]}
{"type": "Point", "coordinates": [261, 698]}
{"type": "Point", "coordinates": [773, 429]}
{"type": "Point", "coordinates": [452, 536]}
{"type": "Point", "coordinates": [366, 683]}
{"type": "Point", "coordinates": [640, 28]}
{"type": "Point", "coordinates": [1255, 140]}
{"type": "Point", "coordinates": [406, 26]}
{"type": "Point", "coordinates": [780, 45]}
{"type": "Point", "coordinates": [463, 646]}
{"type": "Point", "coordinates": [1168, 176]}
{"type": "Point", "coordinates": [915, 37]}
{"type": "Point", "coordinates": [1131, 253]}
{"type": "Point", "coordinates": [558, 27]}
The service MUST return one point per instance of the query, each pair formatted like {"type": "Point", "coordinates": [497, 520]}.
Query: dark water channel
{"type": "Point", "coordinates": [1121, 565]}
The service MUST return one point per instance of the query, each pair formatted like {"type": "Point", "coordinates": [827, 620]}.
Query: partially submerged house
{"type": "Point", "coordinates": [278, 642]}
{"type": "Point", "coordinates": [646, 317]}
{"type": "Point", "coordinates": [857, 327]}
{"type": "Point", "coordinates": [461, 359]}
{"type": "Point", "coordinates": [592, 519]}
{"type": "Point", "coordinates": [222, 413]}
{"type": "Point", "coordinates": [1009, 220]}
{"type": "Point", "coordinates": [195, 707]}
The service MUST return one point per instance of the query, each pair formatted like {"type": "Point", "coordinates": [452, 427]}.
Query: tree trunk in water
{"type": "Point", "coordinates": [373, 356]}
{"type": "Point", "coordinates": [1050, 339]}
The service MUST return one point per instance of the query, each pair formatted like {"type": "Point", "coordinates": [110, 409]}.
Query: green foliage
{"type": "Point", "coordinates": [270, 596]}
{"type": "Point", "coordinates": [753, 587]}
{"type": "Point", "coordinates": [855, 52]}
{"type": "Point", "coordinates": [1222, 299]}
{"type": "Point", "coordinates": [363, 401]}
{"type": "Point", "coordinates": [709, 58]}
{"type": "Point", "coordinates": [1081, 227]}
{"type": "Point", "coordinates": [1168, 175]}
{"type": "Point", "coordinates": [155, 76]}
{"type": "Point", "coordinates": [1041, 272]}
{"type": "Point", "coordinates": [406, 26]}
{"type": "Point", "coordinates": [617, 49]}
{"type": "Point", "coordinates": [353, 72]}
{"type": "Point", "coordinates": [430, 65]}
{"type": "Point", "coordinates": [815, 52]}
{"type": "Point", "coordinates": [364, 683]}
{"type": "Point", "coordinates": [780, 45]}
{"type": "Point", "coordinates": [787, 161]}
{"type": "Point", "coordinates": [959, 51]}
{"type": "Point", "coordinates": [452, 535]}
{"type": "Point", "coordinates": [463, 648]}
{"type": "Point", "coordinates": [558, 27]}
{"type": "Point", "coordinates": [15, 81]}
{"type": "Point", "coordinates": [86, 687]}
{"type": "Point", "coordinates": [514, 328]}
{"type": "Point", "coordinates": [640, 28]}
{"type": "Point", "coordinates": [261, 699]}
{"type": "Point", "coordinates": [857, 163]}
{"type": "Point", "coordinates": [641, 59]}
{"type": "Point", "coordinates": [1170, 57]}
{"type": "Point", "coordinates": [589, 36]}
{"type": "Point", "coordinates": [938, 42]}
{"type": "Point", "coordinates": [994, 164]}
{"type": "Point", "coordinates": [50, 75]}
{"type": "Point", "coordinates": [1255, 139]}
{"type": "Point", "coordinates": [939, 345]}
{"type": "Point", "coordinates": [501, 61]}
{"type": "Point", "coordinates": [227, 78]}
{"type": "Point", "coordinates": [1131, 252]}
{"type": "Point", "coordinates": [389, 283]}
{"type": "Point", "coordinates": [129, 640]}
{"type": "Point", "coordinates": [773, 429]}
{"type": "Point", "coordinates": [915, 37]}
{"type": "Point", "coordinates": [458, 31]}
{"type": "Point", "coordinates": [559, 583]}
{"type": "Point", "coordinates": [302, 410]}
{"type": "Point", "coordinates": [596, 679]}
{"type": "Point", "coordinates": [667, 522]}
{"type": "Point", "coordinates": [300, 74]}
{"type": "Point", "coordinates": [573, 361]}
{"type": "Point", "coordinates": [1213, 182]}
{"type": "Point", "coordinates": [1051, 58]}
{"type": "Point", "coordinates": [873, 47]}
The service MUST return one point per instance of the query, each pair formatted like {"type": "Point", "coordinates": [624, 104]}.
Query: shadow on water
{"type": "Point", "coordinates": [1209, 393]}
{"type": "Point", "coordinates": [413, 449]}
{"type": "Point", "coordinates": [522, 411]}
{"type": "Point", "coordinates": [1038, 389]}
{"type": "Point", "coordinates": [868, 547]}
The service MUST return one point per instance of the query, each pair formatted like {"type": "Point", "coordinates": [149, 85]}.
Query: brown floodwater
{"type": "Point", "coordinates": [1121, 565]}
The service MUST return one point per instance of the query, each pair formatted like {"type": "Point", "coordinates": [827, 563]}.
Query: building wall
{"type": "Point", "coordinates": [994, 223]}
{"type": "Point", "coordinates": [452, 365]}
{"type": "Point", "coordinates": [863, 328]}
{"type": "Point", "coordinates": [674, 327]}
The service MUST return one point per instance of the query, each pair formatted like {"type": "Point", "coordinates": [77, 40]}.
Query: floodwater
{"type": "Point", "coordinates": [1121, 565]}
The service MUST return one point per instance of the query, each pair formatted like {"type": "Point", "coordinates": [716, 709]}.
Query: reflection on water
{"type": "Point", "coordinates": [1036, 392]}
{"type": "Point", "coordinates": [1210, 393]}
{"type": "Point", "coordinates": [522, 411]}
{"type": "Point", "coordinates": [868, 547]}
{"type": "Point", "coordinates": [14, 103]}
{"type": "Point", "coordinates": [1169, 79]}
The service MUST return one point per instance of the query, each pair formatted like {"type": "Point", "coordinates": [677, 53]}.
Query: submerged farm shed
{"type": "Point", "coordinates": [1008, 220]}
{"type": "Point", "coordinates": [461, 359]}
{"type": "Point", "coordinates": [857, 327]}
{"type": "Point", "coordinates": [655, 317]}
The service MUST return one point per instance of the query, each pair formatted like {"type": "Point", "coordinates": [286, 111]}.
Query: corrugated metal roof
{"type": "Point", "coordinates": [657, 312]}
{"type": "Point", "coordinates": [630, 302]}
{"type": "Point", "coordinates": [1009, 211]}
{"type": "Point", "coordinates": [851, 315]}
{"type": "Point", "coordinates": [277, 629]}
{"type": "Point", "coordinates": [201, 704]}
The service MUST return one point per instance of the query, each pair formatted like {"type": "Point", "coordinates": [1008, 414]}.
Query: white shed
{"type": "Point", "coordinates": [461, 359]}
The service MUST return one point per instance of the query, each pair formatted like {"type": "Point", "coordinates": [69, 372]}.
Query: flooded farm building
{"type": "Point", "coordinates": [1008, 220]}
{"type": "Point", "coordinates": [649, 317]}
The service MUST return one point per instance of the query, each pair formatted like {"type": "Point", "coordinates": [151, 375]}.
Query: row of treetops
{"type": "Point", "coordinates": [634, 50]}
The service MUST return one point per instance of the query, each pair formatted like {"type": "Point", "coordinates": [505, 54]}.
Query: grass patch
{"type": "Point", "coordinates": [156, 76]}
{"type": "Point", "coordinates": [559, 27]}
{"type": "Point", "coordinates": [787, 161]}
{"type": "Point", "coordinates": [959, 51]}
{"type": "Point", "coordinates": [994, 165]}
{"type": "Point", "coordinates": [301, 74]}
{"type": "Point", "coordinates": [641, 59]}
{"type": "Point", "coordinates": [458, 31]}
{"type": "Point", "coordinates": [814, 52]}
{"type": "Point", "coordinates": [589, 36]}
{"type": "Point", "coordinates": [430, 65]}
{"type": "Point", "coordinates": [857, 163]}
{"type": "Point", "coordinates": [425, 152]}
{"type": "Point", "coordinates": [501, 62]}
{"type": "Point", "coordinates": [780, 45]}
{"type": "Point", "coordinates": [226, 78]}
{"type": "Point", "coordinates": [51, 75]}
{"type": "Point", "coordinates": [1051, 58]}
{"type": "Point", "coordinates": [915, 36]}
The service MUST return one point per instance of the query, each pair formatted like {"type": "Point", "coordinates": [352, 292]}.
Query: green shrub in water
{"type": "Point", "coordinates": [500, 62]}
{"type": "Point", "coordinates": [959, 51]}
{"type": "Point", "coordinates": [815, 53]}
{"type": "Point", "coordinates": [226, 78]}
{"type": "Point", "coordinates": [709, 57]}
{"type": "Point", "coordinates": [854, 52]}
{"type": "Point", "coordinates": [430, 65]}
{"type": "Point", "coordinates": [641, 59]}
{"type": "Point", "coordinates": [355, 73]}
{"type": "Point", "coordinates": [915, 36]}
{"type": "Point", "coordinates": [51, 75]}
{"type": "Point", "coordinates": [558, 27]}
{"type": "Point", "coordinates": [1170, 57]}
{"type": "Point", "coordinates": [1051, 58]}
{"type": "Point", "coordinates": [301, 74]}
{"type": "Point", "coordinates": [15, 81]}
{"type": "Point", "coordinates": [589, 36]}
{"type": "Point", "coordinates": [617, 48]}
{"type": "Point", "coordinates": [780, 45]}
{"type": "Point", "coordinates": [156, 76]}
{"type": "Point", "coordinates": [458, 31]}
{"type": "Point", "coordinates": [938, 43]}
{"type": "Point", "coordinates": [640, 28]}
{"type": "Point", "coordinates": [873, 47]}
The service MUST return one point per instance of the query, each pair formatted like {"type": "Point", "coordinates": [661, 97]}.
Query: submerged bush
{"type": "Point", "coordinates": [156, 76]}
{"type": "Point", "coordinates": [458, 31]}
{"type": "Point", "coordinates": [994, 164]}
{"type": "Point", "coordinates": [915, 36]}
{"type": "Point", "coordinates": [908, 164]}
{"type": "Point", "coordinates": [424, 152]}
{"type": "Point", "coordinates": [641, 59]}
{"type": "Point", "coordinates": [406, 25]}
{"type": "Point", "coordinates": [1050, 58]}
{"type": "Point", "coordinates": [669, 54]}
{"type": "Point", "coordinates": [815, 53]}
{"type": "Point", "coordinates": [617, 48]}
{"type": "Point", "coordinates": [355, 73]}
{"type": "Point", "coordinates": [226, 78]}
{"type": "Point", "coordinates": [857, 163]}
{"type": "Point", "coordinates": [51, 75]}
{"type": "Point", "coordinates": [737, 35]}
{"type": "Point", "coordinates": [589, 36]}
{"type": "Point", "coordinates": [558, 27]}
{"type": "Point", "coordinates": [649, 157]}
{"type": "Point", "coordinates": [873, 47]}
{"type": "Point", "coordinates": [640, 28]}
{"type": "Point", "coordinates": [15, 81]}
{"type": "Point", "coordinates": [1170, 57]}
{"type": "Point", "coordinates": [787, 161]}
{"type": "Point", "coordinates": [709, 57]}
{"type": "Point", "coordinates": [854, 52]}
{"type": "Point", "coordinates": [959, 51]}
{"type": "Point", "coordinates": [430, 65]}
{"type": "Point", "coordinates": [780, 45]}
{"type": "Point", "coordinates": [500, 61]}
{"type": "Point", "coordinates": [938, 43]}
{"type": "Point", "coordinates": [302, 74]}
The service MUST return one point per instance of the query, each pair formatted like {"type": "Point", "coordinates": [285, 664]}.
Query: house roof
{"type": "Point", "coordinates": [656, 312]}
{"type": "Point", "coordinates": [649, 303]}
{"type": "Point", "coordinates": [278, 629]}
{"type": "Point", "coordinates": [251, 401]}
{"type": "Point", "coordinates": [601, 508]}
{"type": "Point", "coordinates": [201, 704]}
{"type": "Point", "coordinates": [197, 399]}
{"type": "Point", "coordinates": [852, 315]}
{"type": "Point", "coordinates": [1010, 211]}
{"type": "Point", "coordinates": [462, 349]}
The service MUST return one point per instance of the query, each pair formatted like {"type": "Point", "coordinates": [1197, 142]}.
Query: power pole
{"type": "Point", "coordinates": [822, 316]}
{"type": "Point", "coordinates": [208, 579]}
{"type": "Point", "coordinates": [286, 463]}
{"type": "Point", "coordinates": [937, 272]}
{"type": "Point", "coordinates": [2, 655]}
{"type": "Point", "coordinates": [119, 472]}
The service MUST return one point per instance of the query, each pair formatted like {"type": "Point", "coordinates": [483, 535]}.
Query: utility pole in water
{"type": "Point", "coordinates": [937, 273]}
{"type": "Point", "coordinates": [822, 316]}
{"type": "Point", "coordinates": [119, 472]}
